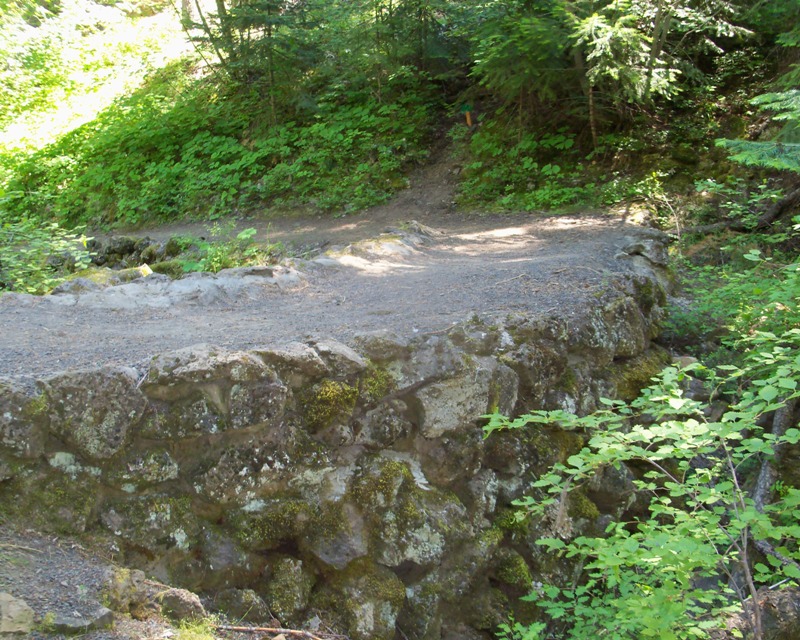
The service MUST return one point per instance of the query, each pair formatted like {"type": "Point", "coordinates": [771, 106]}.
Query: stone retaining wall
{"type": "Point", "coordinates": [348, 483]}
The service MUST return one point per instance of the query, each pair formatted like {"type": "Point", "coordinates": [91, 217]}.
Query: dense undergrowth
{"type": "Point", "coordinates": [177, 147]}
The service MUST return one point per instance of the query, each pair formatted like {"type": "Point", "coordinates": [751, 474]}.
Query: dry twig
{"type": "Point", "coordinates": [298, 633]}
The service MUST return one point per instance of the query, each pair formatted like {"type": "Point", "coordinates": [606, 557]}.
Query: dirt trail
{"type": "Point", "coordinates": [489, 265]}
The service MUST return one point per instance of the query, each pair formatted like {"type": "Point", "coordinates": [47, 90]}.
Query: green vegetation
{"type": "Point", "coordinates": [117, 114]}
{"type": "Point", "coordinates": [34, 259]}
{"type": "Point", "coordinates": [223, 251]}
{"type": "Point", "coordinates": [203, 629]}
{"type": "Point", "coordinates": [719, 524]}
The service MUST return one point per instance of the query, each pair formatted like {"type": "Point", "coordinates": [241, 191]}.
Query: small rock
{"type": "Point", "coordinates": [15, 615]}
{"type": "Point", "coordinates": [242, 605]}
{"type": "Point", "coordinates": [684, 361]}
{"type": "Point", "coordinates": [101, 618]}
{"type": "Point", "coordinates": [340, 358]}
{"type": "Point", "coordinates": [180, 604]}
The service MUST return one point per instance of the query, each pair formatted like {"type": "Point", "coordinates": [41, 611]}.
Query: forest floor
{"type": "Point", "coordinates": [437, 267]}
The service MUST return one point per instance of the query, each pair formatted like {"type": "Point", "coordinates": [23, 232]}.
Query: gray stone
{"type": "Point", "coordinates": [654, 250]}
{"type": "Point", "coordinates": [242, 605]}
{"type": "Point", "coordinates": [23, 418]}
{"type": "Point", "coordinates": [95, 411]}
{"type": "Point", "coordinates": [15, 615]}
{"type": "Point", "coordinates": [382, 345]}
{"type": "Point", "coordinates": [382, 426]}
{"type": "Point", "coordinates": [612, 489]}
{"type": "Point", "coordinates": [297, 363]}
{"type": "Point", "coordinates": [253, 403]}
{"type": "Point", "coordinates": [180, 604]}
{"type": "Point", "coordinates": [76, 285]}
{"type": "Point", "coordinates": [100, 618]}
{"type": "Point", "coordinates": [455, 403]}
{"type": "Point", "coordinates": [201, 364]}
{"type": "Point", "coordinates": [224, 563]}
{"type": "Point", "coordinates": [341, 359]}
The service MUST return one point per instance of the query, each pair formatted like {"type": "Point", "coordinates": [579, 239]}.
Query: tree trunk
{"type": "Point", "coordinates": [659, 38]}
{"type": "Point", "coordinates": [588, 90]}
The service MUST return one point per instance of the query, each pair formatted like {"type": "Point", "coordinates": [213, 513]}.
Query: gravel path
{"type": "Point", "coordinates": [488, 266]}
{"type": "Point", "coordinates": [468, 264]}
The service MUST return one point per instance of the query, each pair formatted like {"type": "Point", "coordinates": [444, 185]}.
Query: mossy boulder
{"type": "Point", "coordinates": [327, 403]}
{"type": "Point", "coordinates": [141, 469]}
{"type": "Point", "coordinates": [409, 521]}
{"type": "Point", "coordinates": [205, 390]}
{"type": "Point", "coordinates": [288, 588]}
{"type": "Point", "coordinates": [154, 522]}
{"type": "Point", "coordinates": [267, 524]}
{"type": "Point", "coordinates": [510, 569]}
{"type": "Point", "coordinates": [628, 376]}
{"type": "Point", "coordinates": [520, 456]}
{"type": "Point", "coordinates": [95, 278]}
{"type": "Point", "coordinates": [52, 501]}
{"type": "Point", "coordinates": [366, 598]}
{"type": "Point", "coordinates": [540, 366]}
{"type": "Point", "coordinates": [171, 268]}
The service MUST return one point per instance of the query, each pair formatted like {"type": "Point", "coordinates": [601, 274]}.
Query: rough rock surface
{"type": "Point", "coordinates": [308, 437]}
{"type": "Point", "coordinates": [314, 478]}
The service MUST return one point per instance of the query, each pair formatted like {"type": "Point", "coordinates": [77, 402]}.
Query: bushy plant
{"type": "Point", "coordinates": [520, 170]}
{"type": "Point", "coordinates": [225, 250]}
{"type": "Point", "coordinates": [715, 529]}
{"type": "Point", "coordinates": [176, 148]}
{"type": "Point", "coordinates": [36, 258]}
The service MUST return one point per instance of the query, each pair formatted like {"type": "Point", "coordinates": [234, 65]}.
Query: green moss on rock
{"type": "Point", "coordinates": [580, 506]}
{"type": "Point", "coordinates": [376, 383]}
{"type": "Point", "coordinates": [289, 588]}
{"type": "Point", "coordinates": [631, 375]}
{"type": "Point", "coordinates": [172, 268]}
{"type": "Point", "coordinates": [326, 402]}
{"type": "Point", "coordinates": [53, 502]}
{"type": "Point", "coordinates": [267, 525]}
{"type": "Point", "coordinates": [512, 570]}
{"type": "Point", "coordinates": [509, 520]}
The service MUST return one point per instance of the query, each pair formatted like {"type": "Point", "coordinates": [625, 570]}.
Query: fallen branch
{"type": "Point", "coordinates": [521, 275]}
{"type": "Point", "coordinates": [775, 211]}
{"type": "Point", "coordinates": [789, 201]}
{"type": "Point", "coordinates": [5, 545]}
{"type": "Point", "coordinates": [277, 630]}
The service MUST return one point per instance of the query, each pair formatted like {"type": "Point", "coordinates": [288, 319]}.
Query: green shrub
{"type": "Point", "coordinates": [35, 259]}
{"type": "Point", "coordinates": [689, 561]}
